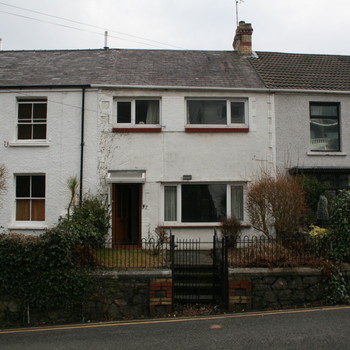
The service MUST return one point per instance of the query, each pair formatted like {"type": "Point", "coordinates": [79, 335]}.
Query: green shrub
{"type": "Point", "coordinates": [42, 272]}
{"type": "Point", "coordinates": [340, 227]}
{"type": "Point", "coordinates": [89, 222]}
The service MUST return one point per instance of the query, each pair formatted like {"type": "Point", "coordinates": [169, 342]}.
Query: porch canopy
{"type": "Point", "coordinates": [126, 176]}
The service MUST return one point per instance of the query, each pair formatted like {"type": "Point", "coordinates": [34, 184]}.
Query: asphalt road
{"type": "Point", "coordinates": [318, 328]}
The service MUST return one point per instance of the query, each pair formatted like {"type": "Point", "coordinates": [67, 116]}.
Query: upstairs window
{"type": "Point", "coordinates": [30, 197]}
{"type": "Point", "coordinates": [32, 119]}
{"type": "Point", "coordinates": [217, 112]}
{"type": "Point", "coordinates": [137, 112]}
{"type": "Point", "coordinates": [202, 203]}
{"type": "Point", "coordinates": [324, 127]}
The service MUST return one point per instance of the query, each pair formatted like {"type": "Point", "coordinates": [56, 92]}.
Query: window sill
{"type": "Point", "coordinates": [29, 143]}
{"type": "Point", "coordinates": [205, 129]}
{"type": "Point", "coordinates": [138, 129]}
{"type": "Point", "coordinates": [28, 226]}
{"type": "Point", "coordinates": [323, 153]}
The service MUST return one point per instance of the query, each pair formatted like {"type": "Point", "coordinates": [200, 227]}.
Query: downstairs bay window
{"type": "Point", "coordinates": [202, 203]}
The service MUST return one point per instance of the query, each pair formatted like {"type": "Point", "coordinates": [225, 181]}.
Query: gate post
{"type": "Point", "coordinates": [172, 251]}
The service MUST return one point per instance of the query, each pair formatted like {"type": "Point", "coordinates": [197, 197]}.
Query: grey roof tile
{"type": "Point", "coordinates": [217, 69]}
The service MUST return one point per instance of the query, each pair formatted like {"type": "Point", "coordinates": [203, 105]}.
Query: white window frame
{"type": "Point", "coordinates": [228, 112]}
{"type": "Point", "coordinates": [179, 222]}
{"type": "Point", "coordinates": [29, 223]}
{"type": "Point", "coordinates": [31, 100]}
{"type": "Point", "coordinates": [132, 101]}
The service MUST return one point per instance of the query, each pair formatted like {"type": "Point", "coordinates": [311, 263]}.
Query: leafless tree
{"type": "Point", "coordinates": [276, 202]}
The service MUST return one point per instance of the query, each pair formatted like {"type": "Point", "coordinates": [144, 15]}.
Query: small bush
{"type": "Point", "coordinates": [340, 227]}
{"type": "Point", "coordinates": [231, 228]}
{"type": "Point", "coordinates": [89, 222]}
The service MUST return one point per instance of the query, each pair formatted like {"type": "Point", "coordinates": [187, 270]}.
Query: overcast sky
{"type": "Point", "coordinates": [303, 26]}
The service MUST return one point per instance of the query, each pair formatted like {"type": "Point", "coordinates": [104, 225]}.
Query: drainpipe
{"type": "Point", "coordinates": [82, 146]}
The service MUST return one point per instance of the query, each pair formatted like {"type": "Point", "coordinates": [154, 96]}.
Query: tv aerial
{"type": "Point", "coordinates": [237, 3]}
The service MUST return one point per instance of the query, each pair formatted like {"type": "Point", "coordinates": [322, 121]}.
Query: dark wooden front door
{"type": "Point", "coordinates": [126, 211]}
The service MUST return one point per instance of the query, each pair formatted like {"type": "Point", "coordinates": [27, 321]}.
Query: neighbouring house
{"type": "Point", "coordinates": [312, 108]}
{"type": "Point", "coordinates": [171, 138]}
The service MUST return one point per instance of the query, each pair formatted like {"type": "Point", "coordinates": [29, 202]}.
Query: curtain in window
{"type": "Point", "coordinates": [206, 112]}
{"type": "Point", "coordinates": [152, 116]}
{"type": "Point", "coordinates": [170, 203]}
{"type": "Point", "coordinates": [237, 202]}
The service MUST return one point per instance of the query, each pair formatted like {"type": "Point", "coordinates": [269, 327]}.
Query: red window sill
{"type": "Point", "coordinates": [156, 129]}
{"type": "Point", "coordinates": [244, 130]}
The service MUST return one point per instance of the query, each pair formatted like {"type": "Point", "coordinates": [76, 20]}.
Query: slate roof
{"type": "Point", "coordinates": [303, 71]}
{"type": "Point", "coordinates": [219, 69]}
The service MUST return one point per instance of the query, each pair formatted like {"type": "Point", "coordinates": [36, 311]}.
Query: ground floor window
{"type": "Point", "coordinates": [211, 202]}
{"type": "Point", "coordinates": [30, 197]}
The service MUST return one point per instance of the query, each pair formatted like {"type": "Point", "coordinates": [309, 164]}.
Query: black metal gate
{"type": "Point", "coordinates": [199, 270]}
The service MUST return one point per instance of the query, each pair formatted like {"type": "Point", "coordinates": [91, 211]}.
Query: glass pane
{"type": "Point", "coordinates": [170, 203]}
{"type": "Point", "coordinates": [24, 131]}
{"type": "Point", "coordinates": [124, 112]}
{"type": "Point", "coordinates": [324, 134]}
{"type": "Point", "coordinates": [324, 110]}
{"type": "Point", "coordinates": [237, 202]}
{"type": "Point", "coordinates": [203, 203]}
{"type": "Point", "coordinates": [25, 112]}
{"type": "Point", "coordinates": [39, 111]}
{"type": "Point", "coordinates": [22, 186]}
{"type": "Point", "coordinates": [147, 112]}
{"type": "Point", "coordinates": [39, 131]}
{"type": "Point", "coordinates": [206, 112]}
{"type": "Point", "coordinates": [237, 113]}
{"type": "Point", "coordinates": [38, 210]}
{"type": "Point", "coordinates": [38, 186]}
{"type": "Point", "coordinates": [23, 209]}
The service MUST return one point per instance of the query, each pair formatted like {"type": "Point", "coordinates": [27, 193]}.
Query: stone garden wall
{"type": "Point", "coordinates": [137, 294]}
{"type": "Point", "coordinates": [265, 289]}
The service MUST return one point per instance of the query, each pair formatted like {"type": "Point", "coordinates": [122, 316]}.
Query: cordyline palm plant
{"type": "Point", "coordinates": [276, 202]}
{"type": "Point", "coordinates": [73, 185]}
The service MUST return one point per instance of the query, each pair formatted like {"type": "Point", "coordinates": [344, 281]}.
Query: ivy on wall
{"type": "Point", "coordinates": [42, 272]}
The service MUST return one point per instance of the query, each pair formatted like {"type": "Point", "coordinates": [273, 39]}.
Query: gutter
{"type": "Point", "coordinates": [31, 87]}
{"type": "Point", "coordinates": [202, 88]}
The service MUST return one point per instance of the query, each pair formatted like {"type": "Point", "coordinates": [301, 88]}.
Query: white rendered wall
{"type": "Point", "coordinates": [59, 159]}
{"type": "Point", "coordinates": [293, 131]}
{"type": "Point", "coordinates": [172, 153]}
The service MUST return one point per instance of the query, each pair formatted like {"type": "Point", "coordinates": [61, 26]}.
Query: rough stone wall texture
{"type": "Point", "coordinates": [263, 289]}
{"type": "Point", "coordinates": [114, 295]}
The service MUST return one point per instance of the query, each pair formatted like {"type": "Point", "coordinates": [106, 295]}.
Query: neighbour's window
{"type": "Point", "coordinates": [216, 112]}
{"type": "Point", "coordinates": [202, 202]}
{"type": "Point", "coordinates": [30, 197]}
{"type": "Point", "coordinates": [324, 126]}
{"type": "Point", "coordinates": [32, 119]}
{"type": "Point", "coordinates": [138, 112]}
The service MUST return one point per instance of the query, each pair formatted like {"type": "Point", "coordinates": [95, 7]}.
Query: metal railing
{"type": "Point", "coordinates": [146, 254]}
{"type": "Point", "coordinates": [289, 251]}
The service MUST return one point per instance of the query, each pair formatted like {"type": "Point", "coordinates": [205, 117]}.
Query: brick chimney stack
{"type": "Point", "coordinates": [243, 39]}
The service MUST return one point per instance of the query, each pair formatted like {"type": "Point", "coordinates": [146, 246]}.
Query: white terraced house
{"type": "Point", "coordinates": [171, 138]}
